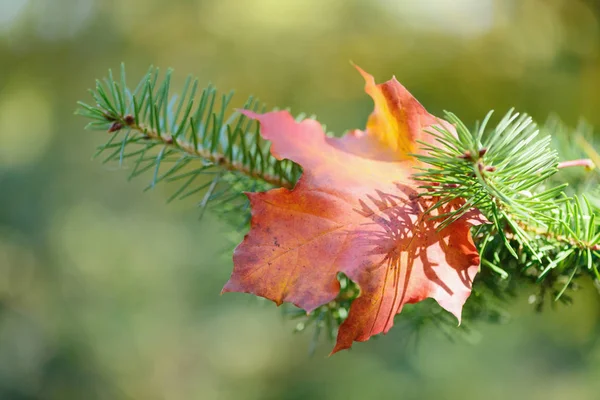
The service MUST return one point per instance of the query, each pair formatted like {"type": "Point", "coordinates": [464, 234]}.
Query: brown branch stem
{"type": "Point", "coordinates": [189, 148]}
{"type": "Point", "coordinates": [558, 238]}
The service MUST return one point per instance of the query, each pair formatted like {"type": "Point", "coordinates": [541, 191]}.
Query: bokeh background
{"type": "Point", "coordinates": [107, 293]}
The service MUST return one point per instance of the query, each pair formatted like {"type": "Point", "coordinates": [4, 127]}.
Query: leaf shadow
{"type": "Point", "coordinates": [404, 249]}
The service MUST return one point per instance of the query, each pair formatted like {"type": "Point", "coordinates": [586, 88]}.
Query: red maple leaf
{"type": "Point", "coordinates": [355, 210]}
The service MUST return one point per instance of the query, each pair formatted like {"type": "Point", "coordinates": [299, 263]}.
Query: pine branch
{"type": "Point", "coordinates": [505, 173]}
{"type": "Point", "coordinates": [192, 140]}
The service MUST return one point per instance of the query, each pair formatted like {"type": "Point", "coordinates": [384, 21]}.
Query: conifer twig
{"type": "Point", "coordinates": [187, 139]}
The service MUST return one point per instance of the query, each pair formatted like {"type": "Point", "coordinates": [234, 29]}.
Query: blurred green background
{"type": "Point", "coordinates": [107, 293]}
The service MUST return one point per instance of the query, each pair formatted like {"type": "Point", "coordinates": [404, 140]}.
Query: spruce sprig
{"type": "Point", "coordinates": [193, 140]}
{"type": "Point", "coordinates": [505, 173]}
{"type": "Point", "coordinates": [495, 172]}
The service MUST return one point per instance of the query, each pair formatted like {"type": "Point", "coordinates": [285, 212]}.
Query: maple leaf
{"type": "Point", "coordinates": [355, 210]}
